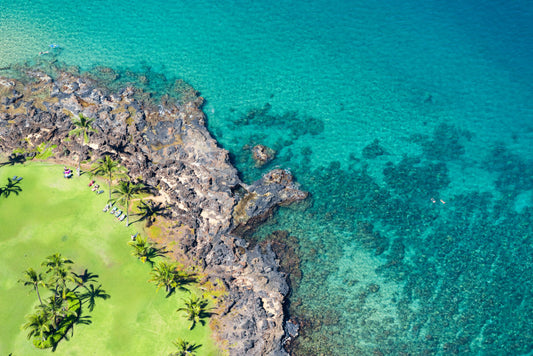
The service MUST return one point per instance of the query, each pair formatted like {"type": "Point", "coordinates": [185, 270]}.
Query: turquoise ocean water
{"type": "Point", "coordinates": [410, 123]}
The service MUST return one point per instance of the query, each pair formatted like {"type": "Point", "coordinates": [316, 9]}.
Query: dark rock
{"type": "Point", "coordinates": [262, 155]}
{"type": "Point", "coordinates": [373, 288]}
{"type": "Point", "coordinates": [373, 150]}
{"type": "Point", "coordinates": [275, 188]}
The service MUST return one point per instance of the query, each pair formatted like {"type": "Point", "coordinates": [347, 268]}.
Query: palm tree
{"type": "Point", "coordinates": [142, 249]}
{"type": "Point", "coordinates": [93, 293]}
{"type": "Point", "coordinates": [59, 266]}
{"type": "Point", "coordinates": [11, 187]}
{"type": "Point", "coordinates": [83, 127]}
{"type": "Point", "coordinates": [163, 275]}
{"type": "Point", "coordinates": [55, 262]}
{"type": "Point", "coordinates": [56, 309]}
{"type": "Point", "coordinates": [109, 168]}
{"type": "Point", "coordinates": [61, 276]}
{"type": "Point", "coordinates": [184, 348]}
{"type": "Point", "coordinates": [167, 274]}
{"type": "Point", "coordinates": [195, 308]}
{"type": "Point", "coordinates": [34, 279]}
{"type": "Point", "coordinates": [150, 210]}
{"type": "Point", "coordinates": [125, 192]}
{"type": "Point", "coordinates": [38, 325]}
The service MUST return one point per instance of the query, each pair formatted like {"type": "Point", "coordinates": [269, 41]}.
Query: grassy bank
{"type": "Point", "coordinates": [53, 214]}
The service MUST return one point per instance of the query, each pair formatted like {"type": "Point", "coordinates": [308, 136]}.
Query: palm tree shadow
{"type": "Point", "coordinates": [12, 187]}
{"type": "Point", "coordinates": [92, 294]}
{"type": "Point", "coordinates": [206, 313]}
{"type": "Point", "coordinates": [89, 297]}
{"type": "Point", "coordinates": [14, 159]}
{"type": "Point", "coordinates": [184, 347]}
{"type": "Point", "coordinates": [73, 320]}
{"type": "Point", "coordinates": [82, 278]}
{"type": "Point", "coordinates": [182, 282]}
{"type": "Point", "coordinates": [203, 315]}
{"type": "Point", "coordinates": [153, 252]}
{"type": "Point", "coordinates": [150, 211]}
{"type": "Point", "coordinates": [195, 347]}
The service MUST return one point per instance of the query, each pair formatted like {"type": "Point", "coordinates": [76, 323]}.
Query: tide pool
{"type": "Point", "coordinates": [409, 123]}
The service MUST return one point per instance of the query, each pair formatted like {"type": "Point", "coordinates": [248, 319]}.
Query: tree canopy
{"type": "Point", "coordinates": [62, 307]}
{"type": "Point", "coordinates": [84, 126]}
{"type": "Point", "coordinates": [109, 168]}
{"type": "Point", "coordinates": [125, 192]}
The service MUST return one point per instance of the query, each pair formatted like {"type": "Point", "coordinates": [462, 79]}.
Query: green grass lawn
{"type": "Point", "coordinates": [53, 214]}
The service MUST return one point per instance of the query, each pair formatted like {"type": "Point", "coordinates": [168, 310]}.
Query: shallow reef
{"type": "Point", "coordinates": [447, 267]}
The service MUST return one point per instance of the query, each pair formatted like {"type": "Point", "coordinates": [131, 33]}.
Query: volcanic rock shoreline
{"type": "Point", "coordinates": [168, 146]}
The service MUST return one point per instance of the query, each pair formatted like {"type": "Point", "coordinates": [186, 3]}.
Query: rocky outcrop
{"type": "Point", "coordinates": [274, 189]}
{"type": "Point", "coordinates": [262, 155]}
{"type": "Point", "coordinates": [169, 147]}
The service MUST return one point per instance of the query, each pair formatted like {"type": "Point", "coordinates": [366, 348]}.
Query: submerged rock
{"type": "Point", "coordinates": [262, 155]}
{"type": "Point", "coordinates": [373, 150]}
{"type": "Point", "coordinates": [169, 147]}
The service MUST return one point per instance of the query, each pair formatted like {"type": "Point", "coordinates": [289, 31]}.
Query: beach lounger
{"type": "Point", "coordinates": [14, 178]}
{"type": "Point", "coordinates": [19, 179]}
{"type": "Point", "coordinates": [113, 210]}
{"type": "Point", "coordinates": [106, 208]}
{"type": "Point", "coordinates": [117, 214]}
{"type": "Point", "coordinates": [99, 192]}
{"type": "Point", "coordinates": [122, 217]}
